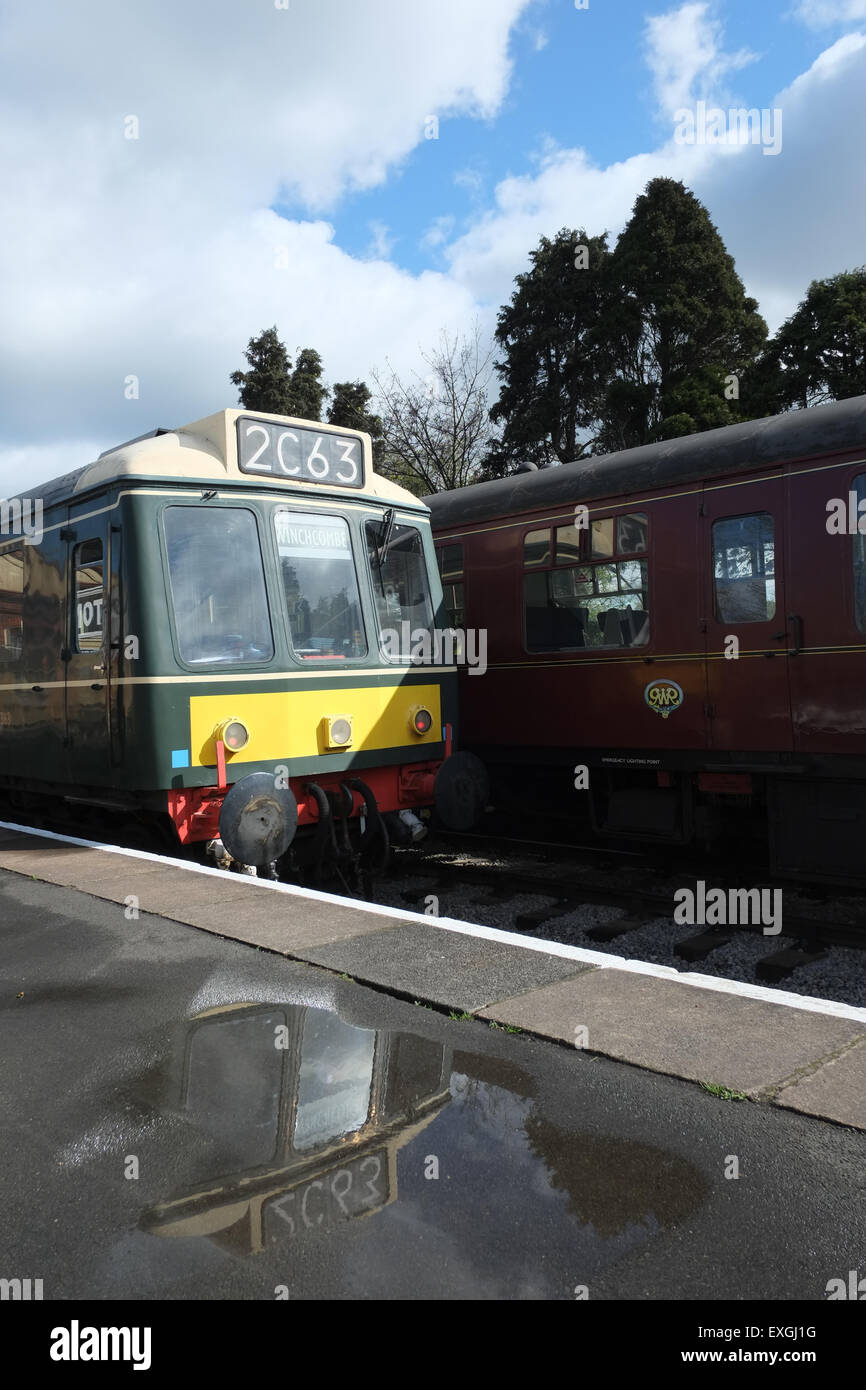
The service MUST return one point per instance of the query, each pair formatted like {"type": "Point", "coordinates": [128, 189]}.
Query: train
{"type": "Point", "coordinates": [193, 644]}
{"type": "Point", "coordinates": [676, 638]}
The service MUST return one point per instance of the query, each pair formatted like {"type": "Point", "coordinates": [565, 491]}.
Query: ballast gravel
{"type": "Point", "coordinates": [840, 975]}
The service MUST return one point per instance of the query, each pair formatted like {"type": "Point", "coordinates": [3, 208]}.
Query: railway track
{"type": "Point", "coordinates": [574, 877]}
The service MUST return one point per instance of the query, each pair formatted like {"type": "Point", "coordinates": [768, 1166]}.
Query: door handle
{"type": "Point", "coordinates": [797, 636]}
{"type": "Point", "coordinates": [100, 668]}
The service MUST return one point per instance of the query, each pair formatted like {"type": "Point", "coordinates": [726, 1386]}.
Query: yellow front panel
{"type": "Point", "coordinates": [289, 723]}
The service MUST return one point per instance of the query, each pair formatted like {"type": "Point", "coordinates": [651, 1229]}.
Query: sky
{"type": "Point", "coordinates": [368, 174]}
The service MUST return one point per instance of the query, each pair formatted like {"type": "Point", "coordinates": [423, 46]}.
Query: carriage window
{"type": "Point", "coordinates": [858, 486]}
{"type": "Point", "coordinates": [744, 568]}
{"type": "Point", "coordinates": [450, 560]}
{"type": "Point", "coordinates": [536, 548]}
{"type": "Point", "coordinates": [567, 545]}
{"type": "Point", "coordinates": [602, 538]}
{"type": "Point", "coordinates": [217, 585]}
{"type": "Point", "coordinates": [603, 602]}
{"type": "Point", "coordinates": [89, 596]}
{"type": "Point", "coordinates": [11, 605]}
{"type": "Point", "coordinates": [321, 586]}
{"type": "Point", "coordinates": [399, 572]}
{"type": "Point", "coordinates": [631, 534]}
{"type": "Point", "coordinates": [587, 606]}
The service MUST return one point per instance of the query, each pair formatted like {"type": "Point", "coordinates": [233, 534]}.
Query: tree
{"type": "Point", "coordinates": [604, 350]}
{"type": "Point", "coordinates": [267, 385]}
{"type": "Point", "coordinates": [307, 392]}
{"type": "Point", "coordinates": [819, 353]}
{"type": "Point", "coordinates": [681, 325]}
{"type": "Point", "coordinates": [271, 386]}
{"type": "Point", "coordinates": [436, 430]}
{"type": "Point", "coordinates": [350, 401]}
{"type": "Point", "coordinates": [555, 364]}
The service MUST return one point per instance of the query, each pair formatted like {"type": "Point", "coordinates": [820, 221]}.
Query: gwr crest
{"type": "Point", "coordinates": [663, 697]}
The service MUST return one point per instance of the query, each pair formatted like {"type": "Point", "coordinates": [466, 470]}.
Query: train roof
{"type": "Point", "coordinates": [207, 452]}
{"type": "Point", "coordinates": [822, 429]}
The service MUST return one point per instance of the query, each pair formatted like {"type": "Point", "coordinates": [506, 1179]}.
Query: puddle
{"type": "Point", "coordinates": [300, 1129]}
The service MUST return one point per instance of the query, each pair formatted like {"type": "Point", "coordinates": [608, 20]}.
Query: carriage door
{"type": "Point", "coordinates": [748, 631]}
{"type": "Point", "coordinates": [86, 651]}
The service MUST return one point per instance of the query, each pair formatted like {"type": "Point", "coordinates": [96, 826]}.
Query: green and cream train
{"type": "Point", "coordinates": [204, 628]}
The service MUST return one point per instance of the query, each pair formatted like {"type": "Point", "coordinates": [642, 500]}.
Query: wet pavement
{"type": "Point", "coordinates": [187, 1117]}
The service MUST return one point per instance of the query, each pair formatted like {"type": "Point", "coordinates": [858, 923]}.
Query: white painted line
{"type": "Point", "coordinates": [601, 959]}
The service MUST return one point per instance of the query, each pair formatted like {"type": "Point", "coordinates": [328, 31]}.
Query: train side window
{"type": "Point", "coordinates": [536, 548]}
{"type": "Point", "coordinates": [858, 486]}
{"type": "Point", "coordinates": [587, 606]}
{"type": "Point", "coordinates": [631, 534]}
{"type": "Point", "coordinates": [11, 605]}
{"type": "Point", "coordinates": [217, 583]}
{"type": "Point", "coordinates": [744, 568]}
{"type": "Point", "coordinates": [450, 561]}
{"type": "Point", "coordinates": [567, 545]}
{"type": "Point", "coordinates": [89, 596]}
{"type": "Point", "coordinates": [602, 538]}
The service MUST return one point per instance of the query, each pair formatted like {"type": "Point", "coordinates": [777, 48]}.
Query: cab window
{"type": "Point", "coordinates": [217, 585]}
{"type": "Point", "coordinates": [398, 568]}
{"type": "Point", "coordinates": [320, 584]}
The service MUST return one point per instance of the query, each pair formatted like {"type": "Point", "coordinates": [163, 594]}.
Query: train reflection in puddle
{"type": "Point", "coordinates": [304, 1114]}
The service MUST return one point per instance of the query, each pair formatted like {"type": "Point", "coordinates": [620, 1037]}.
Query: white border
{"type": "Point", "coordinates": [805, 1003]}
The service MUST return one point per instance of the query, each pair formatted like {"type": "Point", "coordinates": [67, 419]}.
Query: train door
{"type": "Point", "coordinates": [87, 650]}
{"type": "Point", "coordinates": [748, 634]}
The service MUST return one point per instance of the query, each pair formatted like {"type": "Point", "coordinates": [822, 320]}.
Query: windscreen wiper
{"type": "Point", "coordinates": [383, 537]}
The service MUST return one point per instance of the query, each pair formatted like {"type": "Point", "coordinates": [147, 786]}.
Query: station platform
{"type": "Point", "coordinates": [765, 1045]}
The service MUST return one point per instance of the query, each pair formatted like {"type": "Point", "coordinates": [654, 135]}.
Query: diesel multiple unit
{"type": "Point", "coordinates": [197, 629]}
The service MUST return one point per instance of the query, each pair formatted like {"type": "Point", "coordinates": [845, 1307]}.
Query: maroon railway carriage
{"type": "Point", "coordinates": [687, 622]}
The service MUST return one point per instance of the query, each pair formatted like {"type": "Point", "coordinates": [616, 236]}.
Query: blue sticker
{"type": "Point", "coordinates": [180, 757]}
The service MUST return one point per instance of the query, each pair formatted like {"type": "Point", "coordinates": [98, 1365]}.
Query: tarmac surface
{"type": "Point", "coordinates": [188, 1116]}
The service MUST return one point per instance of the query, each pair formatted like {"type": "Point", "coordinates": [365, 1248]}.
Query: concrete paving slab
{"type": "Point", "coordinates": [443, 967]}
{"type": "Point", "coordinates": [663, 1025]}
{"type": "Point", "coordinates": [834, 1091]}
{"type": "Point", "coordinates": [283, 922]}
{"type": "Point", "coordinates": [52, 863]}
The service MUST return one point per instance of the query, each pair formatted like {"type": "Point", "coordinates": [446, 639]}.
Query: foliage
{"type": "Point", "coordinates": [819, 353]}
{"type": "Point", "coordinates": [267, 386]}
{"type": "Point", "coordinates": [350, 407]}
{"type": "Point", "coordinates": [307, 391]}
{"type": "Point", "coordinates": [555, 366]}
{"type": "Point", "coordinates": [435, 428]}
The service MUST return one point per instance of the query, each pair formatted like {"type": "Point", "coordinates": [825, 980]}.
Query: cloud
{"type": "Point", "coordinates": [824, 14]}
{"type": "Point", "coordinates": [438, 232]}
{"type": "Point", "coordinates": [157, 255]}
{"type": "Point", "coordinates": [161, 256]}
{"type": "Point", "coordinates": [780, 238]}
{"type": "Point", "coordinates": [684, 53]}
{"type": "Point", "coordinates": [381, 241]}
